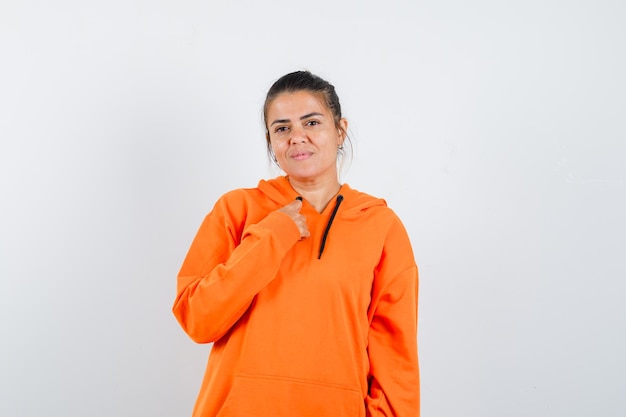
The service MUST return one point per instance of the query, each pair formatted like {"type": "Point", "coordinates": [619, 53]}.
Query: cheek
{"type": "Point", "coordinates": [277, 148]}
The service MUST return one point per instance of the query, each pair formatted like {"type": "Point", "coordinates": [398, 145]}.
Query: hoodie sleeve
{"type": "Point", "coordinates": [225, 268]}
{"type": "Point", "coordinates": [392, 342]}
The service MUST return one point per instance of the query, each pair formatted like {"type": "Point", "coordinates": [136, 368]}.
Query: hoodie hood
{"type": "Point", "coordinates": [346, 204]}
{"type": "Point", "coordinates": [354, 202]}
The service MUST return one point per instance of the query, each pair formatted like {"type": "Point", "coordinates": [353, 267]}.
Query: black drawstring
{"type": "Point", "coordinates": [330, 222]}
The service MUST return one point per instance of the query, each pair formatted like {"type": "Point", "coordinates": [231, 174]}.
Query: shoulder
{"type": "Point", "coordinates": [366, 205]}
{"type": "Point", "coordinates": [276, 189]}
{"type": "Point", "coordinates": [252, 203]}
{"type": "Point", "coordinates": [239, 194]}
{"type": "Point", "coordinates": [237, 200]}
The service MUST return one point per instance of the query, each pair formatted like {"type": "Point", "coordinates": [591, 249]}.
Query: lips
{"type": "Point", "coordinates": [300, 155]}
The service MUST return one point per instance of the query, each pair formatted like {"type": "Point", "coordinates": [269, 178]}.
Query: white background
{"type": "Point", "coordinates": [495, 129]}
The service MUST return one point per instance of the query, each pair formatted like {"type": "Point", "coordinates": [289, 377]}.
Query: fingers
{"type": "Point", "coordinates": [295, 205]}
{"type": "Point", "coordinates": [304, 229]}
{"type": "Point", "coordinates": [293, 210]}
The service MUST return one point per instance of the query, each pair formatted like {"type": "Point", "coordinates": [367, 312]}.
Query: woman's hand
{"type": "Point", "coordinates": [293, 210]}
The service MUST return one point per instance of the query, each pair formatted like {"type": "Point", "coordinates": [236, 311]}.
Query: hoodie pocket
{"type": "Point", "coordinates": [268, 396]}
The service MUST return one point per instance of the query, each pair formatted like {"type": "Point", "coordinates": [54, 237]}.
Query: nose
{"type": "Point", "coordinates": [298, 135]}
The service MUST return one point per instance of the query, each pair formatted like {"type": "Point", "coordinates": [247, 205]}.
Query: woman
{"type": "Point", "coordinates": [306, 287]}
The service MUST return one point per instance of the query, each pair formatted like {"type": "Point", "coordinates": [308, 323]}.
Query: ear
{"type": "Point", "coordinates": [342, 129]}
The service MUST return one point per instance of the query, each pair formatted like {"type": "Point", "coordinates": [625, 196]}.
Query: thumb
{"type": "Point", "coordinates": [296, 204]}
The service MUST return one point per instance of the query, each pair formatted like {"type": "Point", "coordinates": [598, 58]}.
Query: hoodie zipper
{"type": "Point", "coordinates": [330, 222]}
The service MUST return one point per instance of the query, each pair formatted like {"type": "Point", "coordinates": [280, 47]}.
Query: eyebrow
{"type": "Point", "coordinates": [306, 116]}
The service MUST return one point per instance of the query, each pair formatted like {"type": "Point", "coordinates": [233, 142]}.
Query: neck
{"type": "Point", "coordinates": [316, 193]}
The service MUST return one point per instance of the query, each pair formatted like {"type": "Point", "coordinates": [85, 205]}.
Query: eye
{"type": "Point", "coordinates": [312, 123]}
{"type": "Point", "coordinates": [281, 129]}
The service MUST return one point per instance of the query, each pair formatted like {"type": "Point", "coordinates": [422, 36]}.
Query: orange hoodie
{"type": "Point", "coordinates": [323, 327]}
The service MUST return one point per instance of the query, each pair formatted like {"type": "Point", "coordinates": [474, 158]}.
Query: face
{"type": "Point", "coordinates": [304, 137]}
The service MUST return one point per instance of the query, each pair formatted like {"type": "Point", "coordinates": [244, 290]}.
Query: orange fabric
{"type": "Point", "coordinates": [294, 335]}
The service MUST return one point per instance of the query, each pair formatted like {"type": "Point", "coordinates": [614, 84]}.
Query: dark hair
{"type": "Point", "coordinates": [303, 81]}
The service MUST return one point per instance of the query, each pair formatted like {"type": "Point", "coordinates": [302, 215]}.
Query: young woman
{"type": "Point", "coordinates": [306, 287]}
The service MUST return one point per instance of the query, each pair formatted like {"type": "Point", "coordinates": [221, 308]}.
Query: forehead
{"type": "Point", "coordinates": [296, 103]}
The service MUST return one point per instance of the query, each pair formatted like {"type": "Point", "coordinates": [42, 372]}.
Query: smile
{"type": "Point", "coordinates": [301, 155]}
